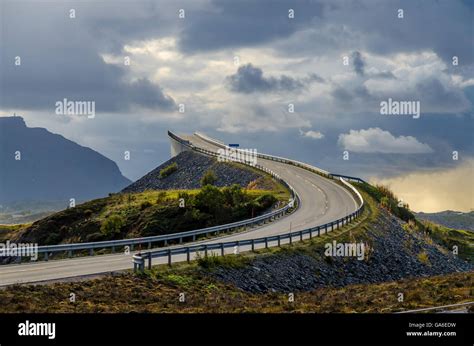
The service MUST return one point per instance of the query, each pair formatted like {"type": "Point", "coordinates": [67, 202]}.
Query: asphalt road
{"type": "Point", "coordinates": [322, 201]}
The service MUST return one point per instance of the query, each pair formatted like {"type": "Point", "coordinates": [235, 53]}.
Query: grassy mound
{"type": "Point", "coordinates": [148, 213]}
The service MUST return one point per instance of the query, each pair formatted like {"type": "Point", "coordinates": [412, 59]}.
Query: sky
{"type": "Point", "coordinates": [300, 79]}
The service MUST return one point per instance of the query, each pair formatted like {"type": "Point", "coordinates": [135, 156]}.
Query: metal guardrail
{"type": "Point", "coordinates": [47, 250]}
{"type": "Point", "coordinates": [139, 259]}
{"type": "Point", "coordinates": [285, 160]}
{"type": "Point", "coordinates": [347, 177]}
{"type": "Point", "coordinates": [270, 157]}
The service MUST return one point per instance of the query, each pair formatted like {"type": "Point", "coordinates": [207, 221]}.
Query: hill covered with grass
{"type": "Point", "coordinates": [148, 213]}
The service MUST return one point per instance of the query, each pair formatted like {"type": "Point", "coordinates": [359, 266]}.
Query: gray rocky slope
{"type": "Point", "coordinates": [191, 168]}
{"type": "Point", "coordinates": [395, 256]}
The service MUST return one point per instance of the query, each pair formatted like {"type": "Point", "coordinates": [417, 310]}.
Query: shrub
{"type": "Point", "coordinates": [209, 178]}
{"type": "Point", "coordinates": [161, 197]}
{"type": "Point", "coordinates": [168, 170]}
{"type": "Point", "coordinates": [405, 214]}
{"type": "Point", "coordinates": [210, 199]}
{"type": "Point", "coordinates": [266, 201]}
{"type": "Point", "coordinates": [423, 257]}
{"type": "Point", "coordinates": [88, 213]}
{"type": "Point", "coordinates": [213, 261]}
{"type": "Point", "coordinates": [145, 205]}
{"type": "Point", "coordinates": [234, 195]}
{"type": "Point", "coordinates": [112, 225]}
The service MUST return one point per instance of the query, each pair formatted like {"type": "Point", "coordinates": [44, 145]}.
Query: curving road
{"type": "Point", "coordinates": [322, 201]}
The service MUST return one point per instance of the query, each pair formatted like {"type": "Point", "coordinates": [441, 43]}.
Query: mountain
{"type": "Point", "coordinates": [451, 219]}
{"type": "Point", "coordinates": [37, 165]}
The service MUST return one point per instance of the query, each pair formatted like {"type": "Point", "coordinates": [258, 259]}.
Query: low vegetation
{"type": "Point", "coordinates": [209, 178]}
{"type": "Point", "coordinates": [159, 291]}
{"type": "Point", "coordinates": [168, 170]}
{"type": "Point", "coordinates": [146, 214]}
{"type": "Point", "coordinates": [451, 238]}
{"type": "Point", "coordinates": [387, 200]}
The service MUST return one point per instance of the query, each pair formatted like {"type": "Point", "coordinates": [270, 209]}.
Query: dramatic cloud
{"type": "Point", "coordinates": [295, 61]}
{"type": "Point", "coordinates": [376, 140]}
{"type": "Point", "coordinates": [66, 65]}
{"type": "Point", "coordinates": [436, 190]}
{"type": "Point", "coordinates": [224, 24]}
{"type": "Point", "coordinates": [249, 79]}
{"type": "Point", "coordinates": [312, 134]}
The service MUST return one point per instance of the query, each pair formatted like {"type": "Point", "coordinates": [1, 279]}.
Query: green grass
{"type": "Point", "coordinates": [144, 214]}
{"type": "Point", "coordinates": [449, 238]}
{"type": "Point", "coordinates": [8, 232]}
{"type": "Point", "coordinates": [212, 261]}
{"type": "Point", "coordinates": [168, 170]}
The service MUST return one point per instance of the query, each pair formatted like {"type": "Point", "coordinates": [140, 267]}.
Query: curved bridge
{"type": "Point", "coordinates": [323, 204]}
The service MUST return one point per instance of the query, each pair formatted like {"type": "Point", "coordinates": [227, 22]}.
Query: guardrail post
{"type": "Point", "coordinates": [169, 257]}
{"type": "Point", "coordinates": [46, 256]}
{"type": "Point", "coordinates": [253, 244]}
{"type": "Point", "coordinates": [266, 243]}
{"type": "Point", "coordinates": [279, 240]}
{"type": "Point", "coordinates": [222, 249]}
{"type": "Point", "coordinates": [69, 253]}
{"type": "Point", "coordinates": [149, 260]}
{"type": "Point", "coordinates": [301, 235]}
{"type": "Point", "coordinates": [205, 250]}
{"type": "Point", "coordinates": [325, 228]}
{"type": "Point", "coordinates": [113, 249]}
{"type": "Point", "coordinates": [91, 252]}
{"type": "Point", "coordinates": [149, 244]}
{"type": "Point", "coordinates": [194, 237]}
{"type": "Point", "coordinates": [291, 238]}
{"type": "Point", "coordinates": [166, 242]}
{"type": "Point", "coordinates": [181, 240]}
{"type": "Point", "coordinates": [188, 255]}
{"type": "Point", "coordinates": [131, 247]}
{"type": "Point", "coordinates": [319, 231]}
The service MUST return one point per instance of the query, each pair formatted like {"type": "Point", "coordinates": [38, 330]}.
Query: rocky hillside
{"type": "Point", "coordinates": [397, 251]}
{"type": "Point", "coordinates": [191, 167]}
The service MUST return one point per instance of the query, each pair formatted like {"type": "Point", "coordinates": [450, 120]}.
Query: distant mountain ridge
{"type": "Point", "coordinates": [51, 167]}
{"type": "Point", "coordinates": [451, 219]}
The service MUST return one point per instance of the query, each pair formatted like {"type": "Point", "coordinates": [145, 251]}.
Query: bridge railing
{"type": "Point", "coordinates": [179, 237]}
{"type": "Point", "coordinates": [306, 166]}
{"type": "Point", "coordinates": [249, 244]}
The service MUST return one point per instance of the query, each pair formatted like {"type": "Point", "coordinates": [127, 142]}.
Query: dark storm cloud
{"type": "Point", "coordinates": [67, 64]}
{"type": "Point", "coordinates": [443, 26]}
{"type": "Point", "coordinates": [358, 63]}
{"type": "Point", "coordinates": [384, 75]}
{"type": "Point", "coordinates": [249, 79]}
{"type": "Point", "coordinates": [231, 23]}
{"type": "Point", "coordinates": [433, 92]}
